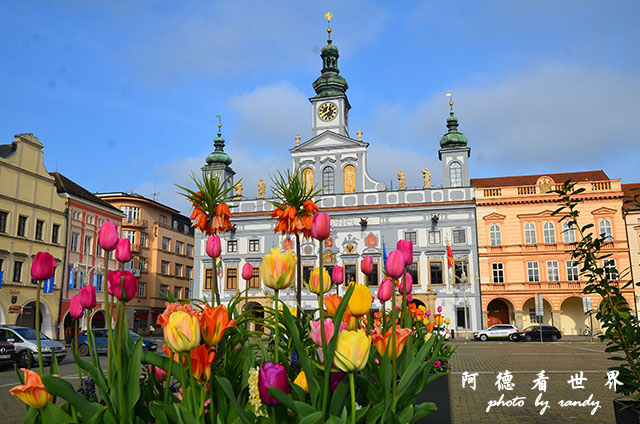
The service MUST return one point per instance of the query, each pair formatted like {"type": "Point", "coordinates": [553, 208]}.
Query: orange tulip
{"type": "Point", "coordinates": [213, 324]}
{"type": "Point", "coordinates": [331, 302]}
{"type": "Point", "coordinates": [32, 392]}
{"type": "Point", "coordinates": [402, 335]}
{"type": "Point", "coordinates": [201, 359]}
{"type": "Point", "coordinates": [163, 319]}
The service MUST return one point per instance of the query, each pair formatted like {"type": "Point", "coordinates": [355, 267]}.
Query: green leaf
{"type": "Point", "coordinates": [423, 410]}
{"type": "Point", "coordinates": [54, 369]}
{"type": "Point", "coordinates": [99, 417]}
{"type": "Point", "coordinates": [303, 408]}
{"type": "Point", "coordinates": [313, 418]}
{"type": "Point", "coordinates": [32, 416]}
{"type": "Point", "coordinates": [340, 397]}
{"type": "Point", "coordinates": [59, 387]}
{"type": "Point", "coordinates": [282, 397]}
{"type": "Point", "coordinates": [53, 414]}
{"type": "Point", "coordinates": [360, 413]}
{"type": "Point", "coordinates": [97, 376]}
{"type": "Point", "coordinates": [133, 377]}
{"type": "Point", "coordinates": [225, 385]}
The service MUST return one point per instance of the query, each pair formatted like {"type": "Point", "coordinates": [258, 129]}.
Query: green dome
{"type": "Point", "coordinates": [453, 139]}
{"type": "Point", "coordinates": [330, 83]}
{"type": "Point", "coordinates": [218, 156]}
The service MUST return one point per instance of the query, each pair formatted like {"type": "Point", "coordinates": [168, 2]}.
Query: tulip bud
{"type": "Point", "coordinates": [406, 247]}
{"type": "Point", "coordinates": [321, 226]}
{"type": "Point", "coordinates": [319, 285]}
{"type": "Point", "coordinates": [32, 392]}
{"type": "Point", "coordinates": [275, 375]}
{"type": "Point", "coordinates": [123, 250]}
{"type": "Point", "coordinates": [247, 271]}
{"type": "Point", "coordinates": [75, 307]}
{"type": "Point", "coordinates": [439, 309]}
{"type": "Point", "coordinates": [315, 332]}
{"type": "Point", "coordinates": [159, 374]}
{"type": "Point", "coordinates": [406, 284]}
{"type": "Point", "coordinates": [385, 290]}
{"type": "Point", "coordinates": [108, 236]}
{"type": "Point", "coordinates": [213, 246]}
{"type": "Point", "coordinates": [182, 333]}
{"type": "Point", "coordinates": [360, 300]}
{"type": "Point", "coordinates": [87, 297]}
{"type": "Point", "coordinates": [301, 381]}
{"type": "Point", "coordinates": [367, 265]}
{"type": "Point", "coordinates": [337, 275]}
{"type": "Point", "coordinates": [395, 264]}
{"type": "Point", "coordinates": [352, 350]}
{"type": "Point", "coordinates": [123, 285]}
{"type": "Point", "coordinates": [43, 267]}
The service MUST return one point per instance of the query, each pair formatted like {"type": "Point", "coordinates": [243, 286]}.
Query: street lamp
{"type": "Point", "coordinates": [464, 280]}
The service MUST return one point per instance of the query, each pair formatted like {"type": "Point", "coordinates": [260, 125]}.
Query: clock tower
{"type": "Point", "coordinates": [330, 106]}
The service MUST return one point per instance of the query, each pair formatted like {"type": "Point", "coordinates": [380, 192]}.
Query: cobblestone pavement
{"type": "Point", "coordinates": [524, 361]}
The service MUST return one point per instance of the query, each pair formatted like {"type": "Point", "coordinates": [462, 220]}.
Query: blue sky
{"type": "Point", "coordinates": [124, 94]}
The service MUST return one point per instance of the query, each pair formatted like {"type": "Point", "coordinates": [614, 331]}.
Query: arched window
{"type": "Point", "coordinates": [455, 174]}
{"type": "Point", "coordinates": [349, 179]}
{"type": "Point", "coordinates": [549, 232]}
{"type": "Point", "coordinates": [307, 178]}
{"type": "Point", "coordinates": [494, 232]}
{"type": "Point", "coordinates": [605, 229]}
{"type": "Point", "coordinates": [328, 181]}
{"type": "Point", "coordinates": [568, 232]}
{"type": "Point", "coordinates": [529, 233]}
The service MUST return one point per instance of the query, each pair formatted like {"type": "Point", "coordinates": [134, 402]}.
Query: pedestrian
{"type": "Point", "coordinates": [151, 330]}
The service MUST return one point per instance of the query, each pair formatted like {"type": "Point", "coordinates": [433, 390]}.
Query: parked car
{"type": "Point", "coordinates": [102, 341]}
{"type": "Point", "coordinates": [498, 331]}
{"type": "Point", "coordinates": [24, 340]}
{"type": "Point", "coordinates": [533, 333]}
{"type": "Point", "coordinates": [7, 353]}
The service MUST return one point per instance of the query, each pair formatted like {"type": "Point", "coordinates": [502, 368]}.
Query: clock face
{"type": "Point", "coordinates": [327, 111]}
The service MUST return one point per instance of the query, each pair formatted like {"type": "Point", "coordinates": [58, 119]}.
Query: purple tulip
{"type": "Point", "coordinates": [247, 271]}
{"type": "Point", "coordinates": [123, 285]}
{"type": "Point", "coordinates": [123, 250]}
{"type": "Point", "coordinates": [213, 246]}
{"type": "Point", "coordinates": [75, 307]}
{"type": "Point", "coordinates": [406, 247]}
{"type": "Point", "coordinates": [334, 379]}
{"type": "Point", "coordinates": [269, 375]}
{"type": "Point", "coordinates": [367, 265]}
{"type": "Point", "coordinates": [87, 297]}
{"type": "Point", "coordinates": [43, 267]}
{"type": "Point", "coordinates": [321, 226]}
{"type": "Point", "coordinates": [385, 290]}
{"type": "Point", "coordinates": [108, 236]}
{"type": "Point", "coordinates": [406, 283]}
{"type": "Point", "coordinates": [337, 275]}
{"type": "Point", "coordinates": [395, 264]}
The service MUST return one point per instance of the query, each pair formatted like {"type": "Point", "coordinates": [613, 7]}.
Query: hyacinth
{"type": "Point", "coordinates": [254, 392]}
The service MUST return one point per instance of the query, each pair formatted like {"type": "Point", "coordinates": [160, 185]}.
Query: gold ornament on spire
{"type": "Point", "coordinates": [219, 122]}
{"type": "Point", "coordinates": [450, 96]}
{"type": "Point", "coordinates": [328, 17]}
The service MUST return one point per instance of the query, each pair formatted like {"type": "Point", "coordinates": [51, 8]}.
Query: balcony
{"type": "Point", "coordinates": [138, 223]}
{"type": "Point", "coordinates": [135, 248]}
{"type": "Point", "coordinates": [544, 287]}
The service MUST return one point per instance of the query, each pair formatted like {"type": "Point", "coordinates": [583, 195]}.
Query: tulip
{"type": "Point", "coordinates": [159, 374]}
{"type": "Point", "coordinates": [163, 318]}
{"type": "Point", "coordinates": [301, 381]}
{"type": "Point", "coordinates": [385, 290]}
{"type": "Point", "coordinates": [406, 284]}
{"type": "Point", "coordinates": [350, 322]}
{"type": "Point", "coordinates": [43, 267]}
{"type": "Point", "coordinates": [75, 307]}
{"type": "Point", "coordinates": [316, 284]}
{"type": "Point", "coordinates": [381, 343]}
{"type": "Point", "coordinates": [247, 271]}
{"type": "Point", "coordinates": [123, 285]}
{"type": "Point", "coordinates": [87, 297]}
{"type": "Point", "coordinates": [332, 302]}
{"type": "Point", "coordinates": [32, 392]}
{"type": "Point", "coordinates": [334, 379]}
{"type": "Point", "coordinates": [213, 323]}
{"type": "Point", "coordinates": [447, 321]}
{"type": "Point", "coordinates": [406, 247]}
{"type": "Point", "coordinates": [352, 350]}
{"type": "Point", "coordinates": [320, 226]}
{"type": "Point", "coordinates": [182, 334]}
{"type": "Point", "coordinates": [439, 309]}
{"type": "Point", "coordinates": [428, 312]}
{"type": "Point", "coordinates": [360, 301]}
{"type": "Point", "coordinates": [213, 246]}
{"type": "Point", "coordinates": [278, 269]}
{"type": "Point", "coordinates": [123, 250]}
{"type": "Point", "coordinates": [315, 331]}
{"type": "Point", "coordinates": [272, 375]}
{"type": "Point", "coordinates": [108, 236]}
{"type": "Point", "coordinates": [201, 359]}
{"type": "Point", "coordinates": [395, 264]}
{"type": "Point", "coordinates": [337, 275]}
{"type": "Point", "coordinates": [367, 265]}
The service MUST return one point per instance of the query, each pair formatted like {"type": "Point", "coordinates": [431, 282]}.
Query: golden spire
{"type": "Point", "coordinates": [328, 17]}
{"type": "Point", "coordinates": [219, 123]}
{"type": "Point", "coordinates": [450, 96]}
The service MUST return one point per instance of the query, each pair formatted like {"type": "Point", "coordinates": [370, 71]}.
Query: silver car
{"type": "Point", "coordinates": [498, 331]}
{"type": "Point", "coordinates": [24, 339]}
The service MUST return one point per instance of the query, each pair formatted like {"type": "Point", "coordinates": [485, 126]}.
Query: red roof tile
{"type": "Point", "coordinates": [631, 190]}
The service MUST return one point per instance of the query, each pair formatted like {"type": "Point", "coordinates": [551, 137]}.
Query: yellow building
{"type": "Point", "coordinates": [631, 212]}
{"type": "Point", "coordinates": [32, 219]}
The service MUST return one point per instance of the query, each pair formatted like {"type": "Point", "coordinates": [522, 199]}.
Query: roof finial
{"type": "Point", "coordinates": [450, 96]}
{"type": "Point", "coordinates": [298, 139]}
{"type": "Point", "coordinates": [328, 16]}
{"type": "Point", "coordinates": [219, 125]}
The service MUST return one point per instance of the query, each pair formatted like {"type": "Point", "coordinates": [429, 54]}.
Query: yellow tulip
{"type": "Point", "coordinates": [301, 380]}
{"type": "Point", "coordinates": [352, 350]}
{"type": "Point", "coordinates": [360, 301]}
{"type": "Point", "coordinates": [278, 269]}
{"type": "Point", "coordinates": [32, 392]}
{"type": "Point", "coordinates": [315, 285]}
{"type": "Point", "coordinates": [447, 321]}
{"type": "Point", "coordinates": [182, 333]}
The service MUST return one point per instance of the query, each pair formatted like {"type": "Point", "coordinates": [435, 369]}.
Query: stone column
{"type": "Point", "coordinates": [556, 319]}
{"type": "Point", "coordinates": [485, 319]}
{"type": "Point", "coordinates": [519, 323]}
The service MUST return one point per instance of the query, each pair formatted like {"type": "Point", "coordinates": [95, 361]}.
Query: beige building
{"type": "Point", "coordinates": [631, 212]}
{"type": "Point", "coordinates": [162, 244]}
{"type": "Point", "coordinates": [32, 219]}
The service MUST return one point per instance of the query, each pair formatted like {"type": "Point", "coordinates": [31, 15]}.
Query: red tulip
{"type": "Point", "coordinates": [395, 264]}
{"type": "Point", "coordinates": [247, 271]}
{"type": "Point", "coordinates": [213, 246]}
{"type": "Point", "coordinates": [406, 247]}
{"type": "Point", "coordinates": [159, 373]}
{"type": "Point", "coordinates": [108, 236]}
{"type": "Point", "coordinates": [385, 290]}
{"type": "Point", "coordinates": [87, 297]}
{"type": "Point", "coordinates": [321, 226]}
{"type": "Point", "coordinates": [367, 265]}
{"type": "Point", "coordinates": [75, 307]}
{"type": "Point", "coordinates": [123, 285]}
{"type": "Point", "coordinates": [43, 267]}
{"type": "Point", "coordinates": [123, 250]}
{"type": "Point", "coordinates": [337, 275]}
{"type": "Point", "coordinates": [275, 375]}
{"type": "Point", "coordinates": [406, 283]}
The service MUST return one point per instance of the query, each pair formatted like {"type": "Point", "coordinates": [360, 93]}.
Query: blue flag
{"type": "Point", "coordinates": [384, 254]}
{"type": "Point", "coordinates": [70, 277]}
{"type": "Point", "coordinates": [1, 275]}
{"type": "Point", "coordinates": [48, 286]}
{"type": "Point", "coordinates": [95, 281]}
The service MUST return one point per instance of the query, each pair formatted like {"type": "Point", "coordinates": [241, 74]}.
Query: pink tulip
{"type": "Point", "coordinates": [108, 236]}
{"type": "Point", "coordinates": [315, 331]}
{"type": "Point", "coordinates": [385, 290]}
{"type": "Point", "coordinates": [123, 285]}
{"type": "Point", "coordinates": [395, 264]}
{"type": "Point", "coordinates": [367, 265]}
{"type": "Point", "coordinates": [321, 226]}
{"type": "Point", "coordinates": [159, 374]}
{"type": "Point", "coordinates": [439, 309]}
{"type": "Point", "coordinates": [406, 247]}
{"type": "Point", "coordinates": [406, 284]}
{"type": "Point", "coordinates": [428, 312]}
{"type": "Point", "coordinates": [409, 298]}
{"type": "Point", "coordinates": [213, 246]}
{"type": "Point", "coordinates": [123, 250]}
{"type": "Point", "coordinates": [75, 307]}
{"type": "Point", "coordinates": [337, 275]}
{"type": "Point", "coordinates": [87, 297]}
{"type": "Point", "coordinates": [43, 267]}
{"type": "Point", "coordinates": [247, 271]}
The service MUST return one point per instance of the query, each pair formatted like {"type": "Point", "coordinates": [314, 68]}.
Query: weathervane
{"type": "Point", "coordinates": [450, 96]}
{"type": "Point", "coordinates": [328, 16]}
{"type": "Point", "coordinates": [219, 124]}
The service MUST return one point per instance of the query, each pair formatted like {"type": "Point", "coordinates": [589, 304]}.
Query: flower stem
{"type": "Point", "coordinates": [299, 277]}
{"type": "Point", "coordinates": [166, 389]}
{"type": "Point", "coordinates": [384, 316]}
{"type": "Point", "coordinates": [191, 385]}
{"type": "Point", "coordinates": [121, 389]}
{"type": "Point", "coordinates": [393, 345]}
{"type": "Point", "coordinates": [38, 329]}
{"type": "Point", "coordinates": [216, 294]}
{"type": "Point", "coordinates": [107, 305]}
{"type": "Point", "coordinates": [277, 329]}
{"type": "Point", "coordinates": [75, 329]}
{"type": "Point", "coordinates": [353, 398]}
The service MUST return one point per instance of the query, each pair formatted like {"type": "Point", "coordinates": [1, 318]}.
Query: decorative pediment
{"type": "Point", "coordinates": [544, 214]}
{"type": "Point", "coordinates": [494, 217]}
{"type": "Point", "coordinates": [328, 140]}
{"type": "Point", "coordinates": [603, 211]}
